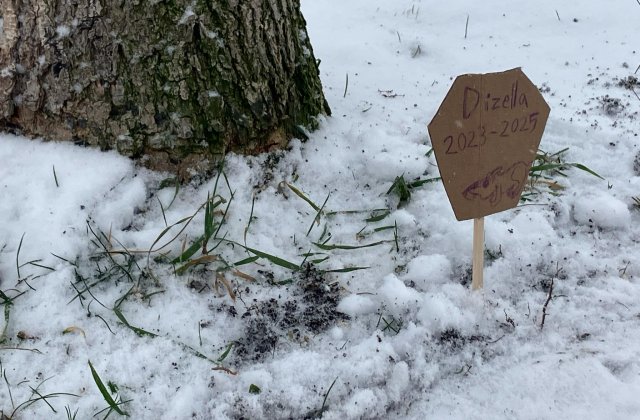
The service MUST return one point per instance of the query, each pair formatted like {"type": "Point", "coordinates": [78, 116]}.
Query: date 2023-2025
{"type": "Point", "coordinates": [472, 103]}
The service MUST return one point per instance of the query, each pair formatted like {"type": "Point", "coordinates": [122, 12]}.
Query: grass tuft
{"type": "Point", "coordinates": [403, 189]}
{"type": "Point", "coordinates": [36, 396]}
{"type": "Point", "coordinates": [8, 303]}
{"type": "Point", "coordinates": [544, 171]}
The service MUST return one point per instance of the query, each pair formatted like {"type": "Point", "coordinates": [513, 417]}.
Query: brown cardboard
{"type": "Point", "coordinates": [485, 136]}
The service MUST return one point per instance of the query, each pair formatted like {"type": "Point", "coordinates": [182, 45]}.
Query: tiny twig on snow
{"type": "Point", "coordinates": [346, 86]}
{"type": "Point", "coordinates": [496, 340]}
{"type": "Point", "coordinates": [623, 271]}
{"type": "Point", "coordinates": [388, 93]}
{"type": "Point", "coordinates": [625, 306]}
{"type": "Point", "coordinates": [466, 27]}
{"type": "Point", "coordinates": [544, 308]}
{"type": "Point", "coordinates": [549, 297]}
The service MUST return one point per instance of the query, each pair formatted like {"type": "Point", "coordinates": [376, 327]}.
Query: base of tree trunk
{"type": "Point", "coordinates": [176, 82]}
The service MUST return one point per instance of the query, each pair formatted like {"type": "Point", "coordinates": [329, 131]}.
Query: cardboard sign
{"type": "Point", "coordinates": [485, 136]}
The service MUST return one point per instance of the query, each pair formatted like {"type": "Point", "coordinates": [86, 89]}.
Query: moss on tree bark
{"type": "Point", "coordinates": [177, 82]}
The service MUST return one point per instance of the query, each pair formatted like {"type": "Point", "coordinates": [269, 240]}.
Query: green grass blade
{"type": "Point", "coordinates": [546, 167]}
{"type": "Point", "coordinates": [208, 218]}
{"type": "Point", "coordinates": [246, 229]}
{"type": "Point", "coordinates": [584, 168]}
{"type": "Point", "coordinates": [63, 259]}
{"type": "Point", "coordinates": [44, 398]}
{"type": "Point", "coordinates": [166, 230]}
{"type": "Point", "coordinates": [401, 188]}
{"type": "Point", "coordinates": [275, 260]}
{"type": "Point", "coordinates": [421, 182]}
{"type": "Point", "coordinates": [383, 228]}
{"type": "Point", "coordinates": [311, 254]}
{"type": "Point", "coordinates": [18, 255]}
{"type": "Point", "coordinates": [175, 191]}
{"type": "Point", "coordinates": [164, 217]}
{"type": "Point", "coordinates": [301, 195]}
{"type": "Point", "coordinates": [225, 353]}
{"type": "Point", "coordinates": [35, 264]}
{"type": "Point", "coordinates": [378, 217]}
{"type": "Point", "coordinates": [105, 394]}
{"type": "Point", "coordinates": [395, 235]}
{"type": "Point", "coordinates": [189, 252]}
{"type": "Point", "coordinates": [328, 247]}
{"type": "Point", "coordinates": [224, 215]}
{"type": "Point", "coordinates": [559, 152]}
{"type": "Point", "coordinates": [347, 212]}
{"type": "Point", "coordinates": [317, 218]}
{"type": "Point", "coordinates": [324, 401]}
{"type": "Point", "coordinates": [559, 166]}
{"type": "Point", "coordinates": [346, 269]}
{"type": "Point", "coordinates": [139, 331]}
{"type": "Point", "coordinates": [248, 260]}
{"type": "Point", "coordinates": [325, 231]}
{"type": "Point", "coordinates": [187, 219]}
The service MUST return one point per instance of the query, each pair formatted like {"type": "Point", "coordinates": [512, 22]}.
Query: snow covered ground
{"type": "Point", "coordinates": [404, 338]}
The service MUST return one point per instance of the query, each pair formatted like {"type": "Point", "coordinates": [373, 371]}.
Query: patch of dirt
{"type": "Point", "coordinates": [309, 309]}
{"type": "Point", "coordinates": [611, 106]}
{"type": "Point", "coordinates": [629, 82]}
{"type": "Point", "coordinates": [620, 104]}
{"type": "Point", "coordinates": [268, 169]}
{"type": "Point", "coordinates": [455, 340]}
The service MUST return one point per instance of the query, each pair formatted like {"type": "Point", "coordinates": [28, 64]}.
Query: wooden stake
{"type": "Point", "coordinates": [478, 254]}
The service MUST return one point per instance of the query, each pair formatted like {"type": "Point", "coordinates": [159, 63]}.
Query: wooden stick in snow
{"type": "Point", "coordinates": [478, 254]}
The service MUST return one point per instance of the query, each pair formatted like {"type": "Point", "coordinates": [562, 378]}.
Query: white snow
{"type": "Point", "coordinates": [63, 31]}
{"type": "Point", "coordinates": [397, 296]}
{"type": "Point", "coordinates": [428, 271]}
{"type": "Point", "coordinates": [354, 304]}
{"type": "Point", "coordinates": [602, 210]}
{"type": "Point", "coordinates": [188, 12]}
{"type": "Point", "coordinates": [417, 343]}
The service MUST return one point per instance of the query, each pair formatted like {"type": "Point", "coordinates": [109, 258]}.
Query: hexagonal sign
{"type": "Point", "coordinates": [485, 136]}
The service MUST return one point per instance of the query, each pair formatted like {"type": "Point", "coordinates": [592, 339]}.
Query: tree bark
{"type": "Point", "coordinates": [180, 82]}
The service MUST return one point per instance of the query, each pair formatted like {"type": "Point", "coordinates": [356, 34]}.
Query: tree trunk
{"type": "Point", "coordinates": [179, 82]}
